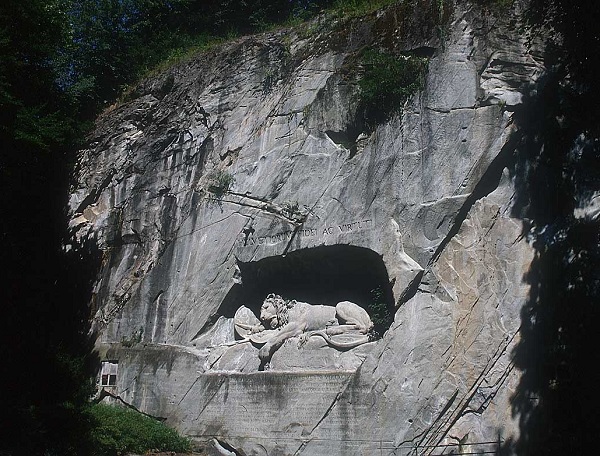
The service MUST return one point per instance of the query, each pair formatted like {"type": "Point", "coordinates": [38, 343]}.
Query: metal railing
{"type": "Point", "coordinates": [382, 447]}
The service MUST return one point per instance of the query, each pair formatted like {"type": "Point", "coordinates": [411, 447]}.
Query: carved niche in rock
{"type": "Point", "coordinates": [345, 326]}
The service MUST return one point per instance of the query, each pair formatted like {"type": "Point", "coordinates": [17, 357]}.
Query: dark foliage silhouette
{"type": "Point", "coordinates": [558, 175]}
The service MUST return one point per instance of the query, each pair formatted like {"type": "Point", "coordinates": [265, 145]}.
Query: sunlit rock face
{"type": "Point", "coordinates": [249, 170]}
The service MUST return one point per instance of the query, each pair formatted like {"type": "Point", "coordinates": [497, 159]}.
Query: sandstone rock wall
{"type": "Point", "coordinates": [322, 209]}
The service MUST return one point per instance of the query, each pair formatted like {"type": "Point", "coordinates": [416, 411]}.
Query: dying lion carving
{"type": "Point", "coordinates": [282, 319]}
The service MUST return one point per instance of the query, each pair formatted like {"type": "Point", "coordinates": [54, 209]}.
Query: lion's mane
{"type": "Point", "coordinates": [282, 307]}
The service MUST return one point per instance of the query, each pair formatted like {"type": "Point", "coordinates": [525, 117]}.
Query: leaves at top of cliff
{"type": "Point", "coordinates": [387, 82]}
{"type": "Point", "coordinates": [31, 33]}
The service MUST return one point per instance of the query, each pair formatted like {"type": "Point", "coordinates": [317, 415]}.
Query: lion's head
{"type": "Point", "coordinates": [274, 311]}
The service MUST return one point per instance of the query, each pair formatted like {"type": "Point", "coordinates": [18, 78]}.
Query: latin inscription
{"type": "Point", "coordinates": [321, 232]}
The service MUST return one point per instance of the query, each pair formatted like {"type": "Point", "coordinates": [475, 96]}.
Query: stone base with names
{"type": "Point", "coordinates": [271, 410]}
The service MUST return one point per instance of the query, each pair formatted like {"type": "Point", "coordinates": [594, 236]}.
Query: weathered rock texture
{"type": "Point", "coordinates": [320, 209]}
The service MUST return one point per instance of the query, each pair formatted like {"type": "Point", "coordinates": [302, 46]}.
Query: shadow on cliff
{"type": "Point", "coordinates": [557, 173]}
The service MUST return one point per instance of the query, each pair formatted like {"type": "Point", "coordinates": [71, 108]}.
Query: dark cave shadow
{"type": "Point", "coordinates": [319, 275]}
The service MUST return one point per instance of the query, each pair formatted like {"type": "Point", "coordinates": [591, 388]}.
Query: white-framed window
{"type": "Point", "coordinates": [108, 374]}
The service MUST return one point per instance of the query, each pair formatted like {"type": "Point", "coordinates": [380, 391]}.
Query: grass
{"type": "Point", "coordinates": [186, 51]}
{"type": "Point", "coordinates": [189, 47]}
{"type": "Point", "coordinates": [497, 4]}
{"type": "Point", "coordinates": [355, 8]}
{"type": "Point", "coordinates": [192, 46]}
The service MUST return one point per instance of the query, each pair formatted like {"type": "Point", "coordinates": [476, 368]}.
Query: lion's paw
{"type": "Point", "coordinates": [302, 339]}
{"type": "Point", "coordinates": [264, 353]}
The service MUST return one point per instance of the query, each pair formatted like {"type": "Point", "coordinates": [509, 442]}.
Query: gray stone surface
{"type": "Point", "coordinates": [428, 193]}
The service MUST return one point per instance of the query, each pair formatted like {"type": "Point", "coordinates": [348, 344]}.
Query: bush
{"type": "Point", "coordinates": [119, 430]}
{"type": "Point", "coordinates": [382, 313]}
{"type": "Point", "coordinates": [220, 182]}
{"type": "Point", "coordinates": [387, 82]}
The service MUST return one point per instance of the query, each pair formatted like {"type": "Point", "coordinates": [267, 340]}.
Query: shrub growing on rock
{"type": "Point", "coordinates": [388, 81]}
{"type": "Point", "coordinates": [220, 183]}
{"type": "Point", "coordinates": [119, 430]}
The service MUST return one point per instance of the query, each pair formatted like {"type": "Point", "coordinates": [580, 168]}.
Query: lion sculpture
{"type": "Point", "coordinates": [282, 319]}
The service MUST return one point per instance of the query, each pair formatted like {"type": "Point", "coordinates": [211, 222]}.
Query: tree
{"type": "Point", "coordinates": [558, 175]}
{"type": "Point", "coordinates": [47, 360]}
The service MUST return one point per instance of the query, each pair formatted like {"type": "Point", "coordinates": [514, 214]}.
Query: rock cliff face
{"type": "Point", "coordinates": [249, 170]}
